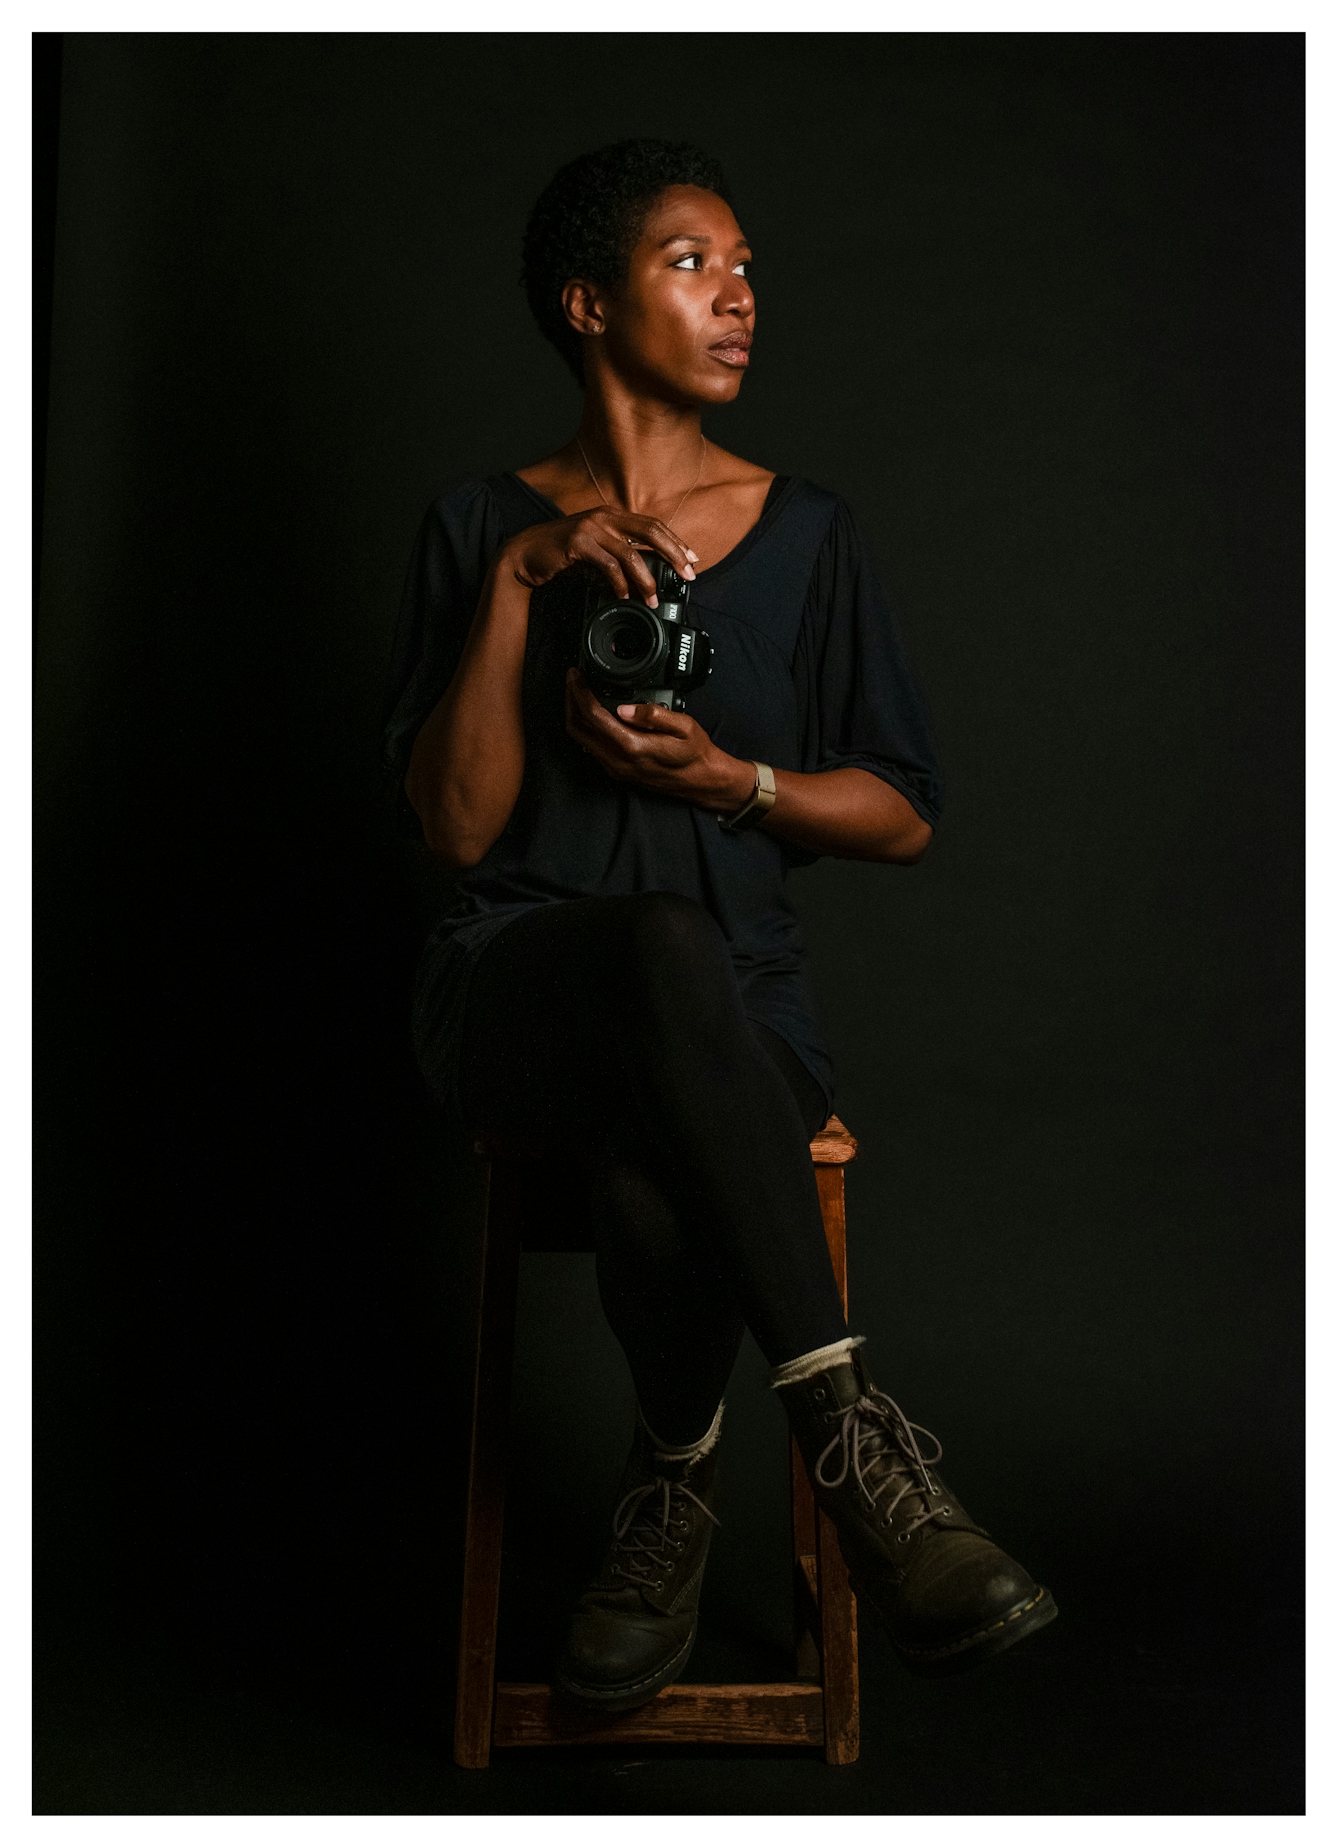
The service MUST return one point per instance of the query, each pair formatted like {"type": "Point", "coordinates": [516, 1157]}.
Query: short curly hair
{"type": "Point", "coordinates": [588, 218]}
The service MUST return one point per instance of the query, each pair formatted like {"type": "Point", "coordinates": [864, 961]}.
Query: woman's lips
{"type": "Point", "coordinates": [731, 352]}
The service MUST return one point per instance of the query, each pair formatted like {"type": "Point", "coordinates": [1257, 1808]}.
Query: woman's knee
{"type": "Point", "coordinates": [675, 948]}
{"type": "Point", "coordinates": [636, 1225]}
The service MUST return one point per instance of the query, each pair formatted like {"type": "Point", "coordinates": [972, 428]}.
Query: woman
{"type": "Point", "coordinates": [623, 972]}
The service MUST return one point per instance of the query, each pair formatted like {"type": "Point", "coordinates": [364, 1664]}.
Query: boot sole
{"type": "Point", "coordinates": [633, 1693]}
{"type": "Point", "coordinates": [979, 1645]}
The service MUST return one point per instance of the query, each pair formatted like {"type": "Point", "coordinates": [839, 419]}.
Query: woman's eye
{"type": "Point", "coordinates": [740, 269]}
{"type": "Point", "coordinates": [689, 262]}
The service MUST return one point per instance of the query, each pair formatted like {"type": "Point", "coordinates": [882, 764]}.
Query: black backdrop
{"type": "Point", "coordinates": [1033, 305]}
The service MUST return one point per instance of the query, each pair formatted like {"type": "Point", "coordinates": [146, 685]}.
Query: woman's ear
{"type": "Point", "coordinates": [582, 307]}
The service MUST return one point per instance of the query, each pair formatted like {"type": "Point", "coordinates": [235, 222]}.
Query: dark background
{"type": "Point", "coordinates": [1033, 304]}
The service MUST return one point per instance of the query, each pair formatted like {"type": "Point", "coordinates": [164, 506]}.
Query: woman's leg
{"type": "Point", "coordinates": [616, 1025]}
{"type": "Point", "coordinates": [663, 1293]}
{"type": "Point", "coordinates": [663, 1297]}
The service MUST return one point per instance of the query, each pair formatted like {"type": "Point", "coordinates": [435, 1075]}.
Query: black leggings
{"type": "Point", "coordinates": [615, 1026]}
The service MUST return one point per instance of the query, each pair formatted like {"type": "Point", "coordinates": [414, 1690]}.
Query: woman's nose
{"type": "Point", "coordinates": [734, 296]}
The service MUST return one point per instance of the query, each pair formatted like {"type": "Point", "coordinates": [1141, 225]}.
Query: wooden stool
{"type": "Point", "coordinates": [820, 1707]}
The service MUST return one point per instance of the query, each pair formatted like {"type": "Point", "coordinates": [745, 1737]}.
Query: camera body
{"type": "Point", "coordinates": [631, 654]}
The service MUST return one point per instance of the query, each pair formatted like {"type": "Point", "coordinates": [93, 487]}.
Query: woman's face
{"type": "Point", "coordinates": [682, 323]}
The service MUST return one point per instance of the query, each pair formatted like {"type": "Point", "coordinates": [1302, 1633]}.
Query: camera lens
{"type": "Point", "coordinates": [626, 641]}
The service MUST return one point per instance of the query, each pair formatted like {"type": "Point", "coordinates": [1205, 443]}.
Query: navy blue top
{"type": "Point", "coordinates": [809, 674]}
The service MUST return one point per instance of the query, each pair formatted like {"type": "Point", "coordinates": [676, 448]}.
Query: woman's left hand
{"type": "Point", "coordinates": [848, 811]}
{"type": "Point", "coordinates": [664, 751]}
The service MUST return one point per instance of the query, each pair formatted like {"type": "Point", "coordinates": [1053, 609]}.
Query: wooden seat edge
{"type": "Point", "coordinates": [831, 1147]}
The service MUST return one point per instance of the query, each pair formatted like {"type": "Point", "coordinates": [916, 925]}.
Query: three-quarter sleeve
{"type": "Point", "coordinates": [456, 543]}
{"type": "Point", "coordinates": [857, 697]}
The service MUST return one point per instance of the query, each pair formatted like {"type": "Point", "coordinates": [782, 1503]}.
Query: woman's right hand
{"type": "Point", "coordinates": [468, 759]}
{"type": "Point", "coordinates": [605, 537]}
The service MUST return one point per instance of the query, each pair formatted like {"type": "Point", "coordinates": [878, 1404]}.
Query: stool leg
{"type": "Point", "coordinates": [486, 1487]}
{"type": "Point", "coordinates": [836, 1601]}
{"type": "Point", "coordinates": [807, 1621]}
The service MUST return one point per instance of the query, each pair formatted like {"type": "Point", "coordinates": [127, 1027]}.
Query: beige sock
{"type": "Point", "coordinates": [685, 1453]}
{"type": "Point", "coordinates": [804, 1366]}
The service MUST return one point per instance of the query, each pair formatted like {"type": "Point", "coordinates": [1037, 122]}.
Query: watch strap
{"type": "Point", "coordinates": [757, 805]}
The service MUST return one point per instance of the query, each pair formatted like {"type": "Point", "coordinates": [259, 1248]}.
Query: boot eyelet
{"type": "Point", "coordinates": [819, 1392]}
{"type": "Point", "coordinates": [902, 1539]}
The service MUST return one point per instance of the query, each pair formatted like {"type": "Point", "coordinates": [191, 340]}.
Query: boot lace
{"type": "Point", "coordinates": [642, 1530]}
{"type": "Point", "coordinates": [877, 1444]}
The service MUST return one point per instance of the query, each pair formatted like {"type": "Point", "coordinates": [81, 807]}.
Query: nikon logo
{"type": "Point", "coordinates": [684, 653]}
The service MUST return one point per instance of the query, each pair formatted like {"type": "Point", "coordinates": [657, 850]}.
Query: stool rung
{"type": "Point", "coordinates": [724, 1713]}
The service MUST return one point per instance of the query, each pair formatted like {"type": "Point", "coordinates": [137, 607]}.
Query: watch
{"type": "Point", "coordinates": [762, 798]}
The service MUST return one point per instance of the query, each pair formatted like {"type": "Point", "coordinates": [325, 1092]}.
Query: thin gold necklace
{"type": "Point", "coordinates": [677, 510]}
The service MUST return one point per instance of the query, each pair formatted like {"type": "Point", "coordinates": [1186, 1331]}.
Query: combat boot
{"type": "Point", "coordinates": [945, 1594]}
{"type": "Point", "coordinates": [634, 1626]}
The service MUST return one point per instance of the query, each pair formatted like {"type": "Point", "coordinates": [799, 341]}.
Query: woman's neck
{"type": "Point", "coordinates": [639, 452]}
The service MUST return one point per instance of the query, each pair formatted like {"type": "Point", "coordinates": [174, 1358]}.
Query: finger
{"type": "Point", "coordinates": [617, 746]}
{"type": "Point", "coordinates": [581, 691]}
{"type": "Point", "coordinates": [667, 541]}
{"type": "Point", "coordinates": [589, 551]}
{"type": "Point", "coordinates": [656, 534]}
{"type": "Point", "coordinates": [598, 720]}
{"type": "Point", "coordinates": [652, 718]}
{"type": "Point", "coordinates": [586, 735]}
{"type": "Point", "coordinates": [578, 714]}
{"type": "Point", "coordinates": [632, 562]}
{"type": "Point", "coordinates": [624, 754]}
{"type": "Point", "coordinates": [593, 718]}
{"type": "Point", "coordinates": [608, 751]}
{"type": "Point", "coordinates": [640, 572]}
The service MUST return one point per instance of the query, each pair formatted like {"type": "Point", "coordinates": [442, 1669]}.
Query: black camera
{"type": "Point", "coordinates": [633, 655]}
